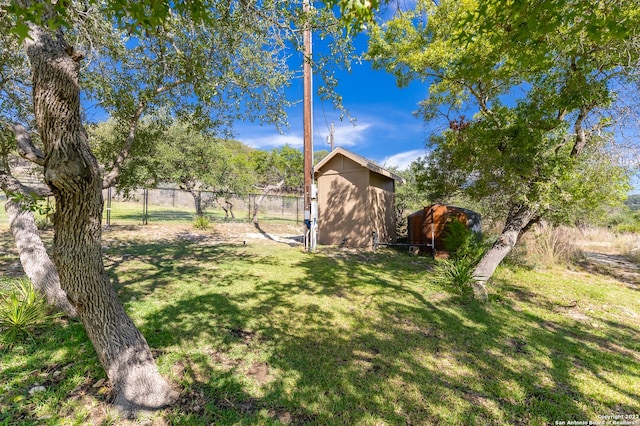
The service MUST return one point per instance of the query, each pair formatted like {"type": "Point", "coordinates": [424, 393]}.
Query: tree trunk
{"type": "Point", "coordinates": [228, 203]}
{"type": "Point", "coordinates": [197, 199]}
{"type": "Point", "coordinates": [227, 210]}
{"type": "Point", "coordinates": [33, 255]}
{"type": "Point", "coordinates": [518, 220]}
{"type": "Point", "coordinates": [72, 173]}
{"type": "Point", "coordinates": [34, 258]}
{"type": "Point", "coordinates": [267, 189]}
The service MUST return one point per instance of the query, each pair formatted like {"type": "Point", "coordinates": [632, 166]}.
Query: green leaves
{"type": "Point", "coordinates": [23, 310]}
{"type": "Point", "coordinates": [31, 202]}
{"type": "Point", "coordinates": [522, 87]}
{"type": "Point", "coordinates": [51, 14]}
{"type": "Point", "coordinates": [280, 164]}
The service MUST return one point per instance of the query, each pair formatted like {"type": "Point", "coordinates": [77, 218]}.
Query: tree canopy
{"type": "Point", "coordinates": [529, 94]}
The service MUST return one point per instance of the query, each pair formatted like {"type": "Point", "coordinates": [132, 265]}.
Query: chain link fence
{"type": "Point", "coordinates": [174, 205]}
{"type": "Point", "coordinates": [170, 204]}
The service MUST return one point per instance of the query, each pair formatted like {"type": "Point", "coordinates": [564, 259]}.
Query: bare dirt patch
{"type": "Point", "coordinates": [617, 266]}
{"type": "Point", "coordinates": [231, 232]}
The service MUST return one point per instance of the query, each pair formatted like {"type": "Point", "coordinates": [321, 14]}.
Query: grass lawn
{"type": "Point", "coordinates": [265, 333]}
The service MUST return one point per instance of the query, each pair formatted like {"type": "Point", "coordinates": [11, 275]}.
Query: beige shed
{"type": "Point", "coordinates": [355, 199]}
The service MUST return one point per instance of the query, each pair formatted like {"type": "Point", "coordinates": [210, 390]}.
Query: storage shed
{"type": "Point", "coordinates": [355, 199]}
{"type": "Point", "coordinates": [426, 227]}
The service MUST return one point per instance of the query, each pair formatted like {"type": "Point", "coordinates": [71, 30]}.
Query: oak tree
{"type": "Point", "coordinates": [529, 93]}
{"type": "Point", "coordinates": [208, 62]}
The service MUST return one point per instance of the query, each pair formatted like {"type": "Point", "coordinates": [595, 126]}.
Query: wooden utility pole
{"type": "Point", "coordinates": [307, 114]}
{"type": "Point", "coordinates": [310, 191]}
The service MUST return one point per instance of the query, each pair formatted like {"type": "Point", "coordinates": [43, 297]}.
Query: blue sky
{"type": "Point", "coordinates": [385, 130]}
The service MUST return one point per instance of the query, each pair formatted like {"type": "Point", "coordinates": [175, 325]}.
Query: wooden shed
{"type": "Point", "coordinates": [426, 227]}
{"type": "Point", "coordinates": [355, 199]}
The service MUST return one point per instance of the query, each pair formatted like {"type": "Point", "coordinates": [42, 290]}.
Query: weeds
{"type": "Point", "coordinates": [201, 223]}
{"type": "Point", "coordinates": [457, 272]}
{"type": "Point", "coordinates": [553, 244]}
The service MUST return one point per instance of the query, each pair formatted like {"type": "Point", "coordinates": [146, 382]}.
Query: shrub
{"type": "Point", "coordinates": [456, 272]}
{"type": "Point", "coordinates": [23, 310]}
{"type": "Point", "coordinates": [465, 250]}
{"type": "Point", "coordinates": [633, 228]}
{"type": "Point", "coordinates": [461, 242]}
{"type": "Point", "coordinates": [201, 222]}
{"type": "Point", "coordinates": [43, 222]}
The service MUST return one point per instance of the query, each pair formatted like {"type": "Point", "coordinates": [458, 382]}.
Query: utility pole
{"type": "Point", "coordinates": [310, 192]}
{"type": "Point", "coordinates": [332, 131]}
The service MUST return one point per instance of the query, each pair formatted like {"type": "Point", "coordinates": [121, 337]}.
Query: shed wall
{"type": "Point", "coordinates": [437, 216]}
{"type": "Point", "coordinates": [342, 209]}
{"type": "Point", "coordinates": [354, 201]}
{"type": "Point", "coordinates": [382, 213]}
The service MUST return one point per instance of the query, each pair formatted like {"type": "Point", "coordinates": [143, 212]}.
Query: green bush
{"type": "Point", "coordinates": [460, 241]}
{"type": "Point", "coordinates": [632, 228]}
{"type": "Point", "coordinates": [43, 222]}
{"type": "Point", "coordinates": [22, 311]}
{"type": "Point", "coordinates": [201, 222]}
{"type": "Point", "coordinates": [465, 249]}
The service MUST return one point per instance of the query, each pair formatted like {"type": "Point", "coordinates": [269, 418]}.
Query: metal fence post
{"type": "Point", "coordinates": [145, 206]}
{"type": "Point", "coordinates": [109, 207]}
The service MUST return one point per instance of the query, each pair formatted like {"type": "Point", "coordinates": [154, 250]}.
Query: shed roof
{"type": "Point", "coordinates": [358, 159]}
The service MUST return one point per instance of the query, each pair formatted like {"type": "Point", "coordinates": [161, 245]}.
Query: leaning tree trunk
{"type": "Point", "coordinates": [35, 261]}
{"type": "Point", "coordinates": [34, 258]}
{"type": "Point", "coordinates": [230, 208]}
{"type": "Point", "coordinates": [267, 189]}
{"type": "Point", "coordinates": [227, 210]}
{"type": "Point", "coordinates": [518, 220]}
{"type": "Point", "coordinates": [72, 173]}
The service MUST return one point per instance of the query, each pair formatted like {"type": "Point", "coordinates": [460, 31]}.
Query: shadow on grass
{"type": "Point", "coordinates": [349, 338]}
{"type": "Point", "coordinates": [62, 361]}
{"type": "Point", "coordinates": [352, 341]}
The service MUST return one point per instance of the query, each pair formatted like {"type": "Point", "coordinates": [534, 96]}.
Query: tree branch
{"type": "Point", "coordinates": [581, 136]}
{"type": "Point", "coordinates": [10, 184]}
{"type": "Point", "coordinates": [26, 148]}
{"type": "Point", "coordinates": [111, 177]}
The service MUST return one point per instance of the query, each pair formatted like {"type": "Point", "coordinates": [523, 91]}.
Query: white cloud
{"type": "Point", "coordinates": [346, 135]}
{"type": "Point", "coordinates": [402, 159]}
{"type": "Point", "coordinates": [272, 140]}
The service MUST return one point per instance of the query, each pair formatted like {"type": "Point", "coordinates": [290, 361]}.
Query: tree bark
{"type": "Point", "coordinates": [72, 173]}
{"type": "Point", "coordinates": [517, 221]}
{"type": "Point", "coordinates": [35, 261]}
{"type": "Point", "coordinates": [227, 210]}
{"type": "Point", "coordinates": [230, 208]}
{"type": "Point", "coordinates": [197, 200]}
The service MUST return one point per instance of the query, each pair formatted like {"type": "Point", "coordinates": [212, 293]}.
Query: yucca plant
{"type": "Point", "coordinates": [23, 310]}
{"type": "Point", "coordinates": [465, 250]}
{"type": "Point", "coordinates": [457, 272]}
